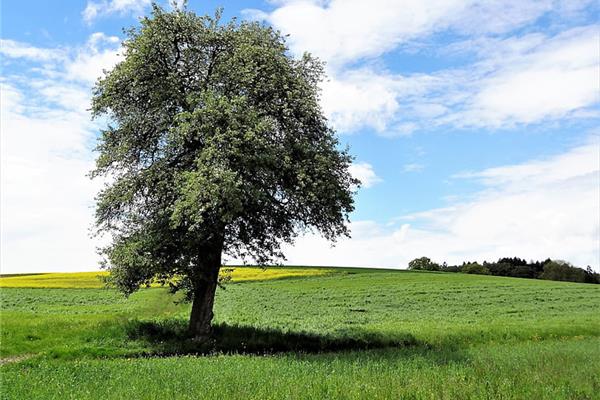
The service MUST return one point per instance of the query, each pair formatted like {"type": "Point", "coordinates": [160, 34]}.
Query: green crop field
{"type": "Point", "coordinates": [346, 333]}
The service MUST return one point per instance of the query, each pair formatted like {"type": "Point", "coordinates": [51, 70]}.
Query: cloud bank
{"type": "Point", "coordinates": [515, 78]}
{"type": "Point", "coordinates": [46, 142]}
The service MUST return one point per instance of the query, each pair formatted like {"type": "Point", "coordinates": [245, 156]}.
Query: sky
{"type": "Point", "coordinates": [474, 125]}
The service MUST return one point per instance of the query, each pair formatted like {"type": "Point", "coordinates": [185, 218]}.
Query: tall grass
{"type": "Point", "coordinates": [548, 370]}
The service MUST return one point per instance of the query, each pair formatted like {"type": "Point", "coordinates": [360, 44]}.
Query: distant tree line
{"type": "Point", "coordinates": [553, 270]}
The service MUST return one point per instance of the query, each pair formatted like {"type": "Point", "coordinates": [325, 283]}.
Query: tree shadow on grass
{"type": "Point", "coordinates": [170, 337]}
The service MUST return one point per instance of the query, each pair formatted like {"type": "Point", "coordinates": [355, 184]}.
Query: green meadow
{"type": "Point", "coordinates": [347, 333]}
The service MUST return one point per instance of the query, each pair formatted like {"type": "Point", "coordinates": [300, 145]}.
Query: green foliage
{"type": "Point", "coordinates": [520, 268]}
{"type": "Point", "coordinates": [216, 143]}
{"type": "Point", "coordinates": [474, 268]}
{"type": "Point", "coordinates": [516, 267]}
{"type": "Point", "coordinates": [563, 271]}
{"type": "Point", "coordinates": [423, 264]}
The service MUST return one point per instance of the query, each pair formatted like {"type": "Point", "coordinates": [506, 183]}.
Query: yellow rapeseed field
{"type": "Point", "coordinates": [240, 274]}
{"type": "Point", "coordinates": [54, 280]}
{"type": "Point", "coordinates": [93, 279]}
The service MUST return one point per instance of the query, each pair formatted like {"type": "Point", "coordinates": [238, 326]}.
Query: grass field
{"type": "Point", "coordinates": [342, 333]}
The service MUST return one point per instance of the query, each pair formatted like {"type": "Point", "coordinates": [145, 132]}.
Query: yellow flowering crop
{"type": "Point", "coordinates": [54, 280]}
{"type": "Point", "coordinates": [93, 279]}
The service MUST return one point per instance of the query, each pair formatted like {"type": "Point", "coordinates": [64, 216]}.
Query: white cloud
{"type": "Point", "coordinates": [96, 9]}
{"type": "Point", "coordinates": [535, 78]}
{"type": "Point", "coordinates": [520, 80]}
{"type": "Point", "coordinates": [365, 173]}
{"type": "Point", "coordinates": [47, 135]}
{"type": "Point", "coordinates": [513, 80]}
{"type": "Point", "coordinates": [342, 31]}
{"type": "Point", "coordinates": [539, 209]}
{"type": "Point", "coordinates": [46, 196]}
{"type": "Point", "coordinates": [339, 31]}
{"type": "Point", "coordinates": [578, 162]}
{"type": "Point", "coordinates": [100, 53]}
{"type": "Point", "coordinates": [84, 64]}
{"type": "Point", "coordinates": [499, 16]}
{"type": "Point", "coordinates": [12, 49]}
{"type": "Point", "coordinates": [360, 99]}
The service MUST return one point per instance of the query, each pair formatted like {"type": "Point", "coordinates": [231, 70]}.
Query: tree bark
{"type": "Point", "coordinates": [205, 286]}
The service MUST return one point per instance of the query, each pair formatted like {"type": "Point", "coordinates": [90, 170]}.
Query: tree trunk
{"type": "Point", "coordinates": [202, 310]}
{"type": "Point", "coordinates": [205, 286]}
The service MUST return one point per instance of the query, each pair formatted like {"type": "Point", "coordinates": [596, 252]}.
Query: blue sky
{"type": "Point", "coordinates": [474, 125]}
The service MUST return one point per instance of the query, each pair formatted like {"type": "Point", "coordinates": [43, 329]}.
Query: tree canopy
{"type": "Point", "coordinates": [555, 270]}
{"type": "Point", "coordinates": [215, 144]}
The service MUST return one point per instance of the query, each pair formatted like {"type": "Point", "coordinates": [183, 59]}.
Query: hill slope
{"type": "Point", "coordinates": [383, 334]}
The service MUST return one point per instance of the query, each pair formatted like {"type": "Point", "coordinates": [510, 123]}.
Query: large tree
{"type": "Point", "coordinates": [215, 144]}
